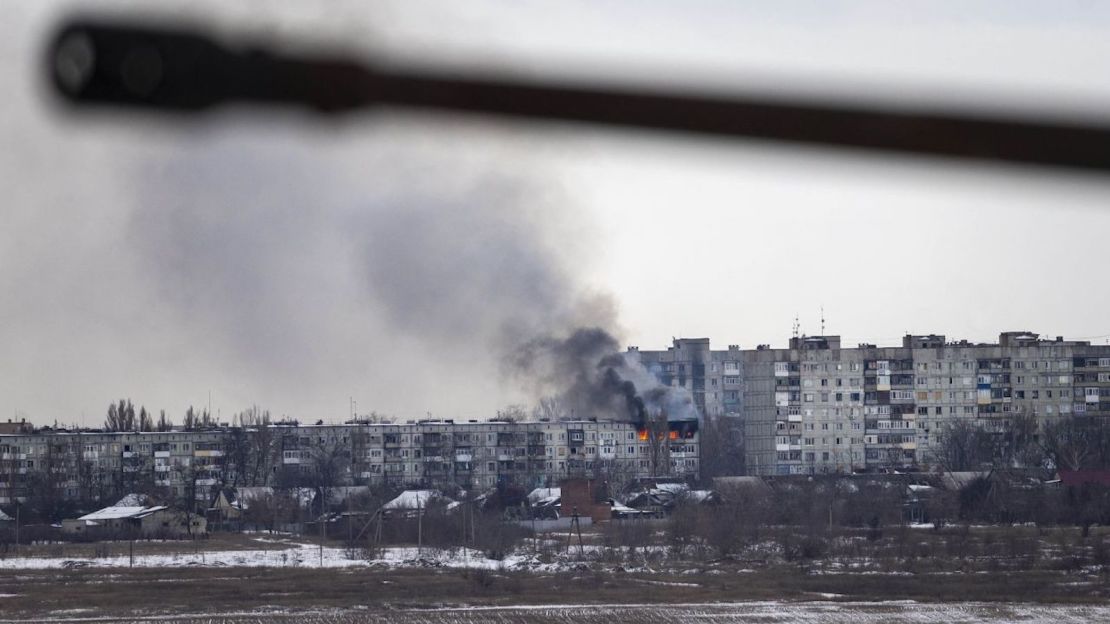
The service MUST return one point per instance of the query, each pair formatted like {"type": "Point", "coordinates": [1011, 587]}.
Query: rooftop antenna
{"type": "Point", "coordinates": [797, 326]}
{"type": "Point", "coordinates": [822, 320]}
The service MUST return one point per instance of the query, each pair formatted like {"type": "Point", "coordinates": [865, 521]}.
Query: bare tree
{"type": "Point", "coordinates": [551, 408]}
{"type": "Point", "coordinates": [195, 420]}
{"type": "Point", "coordinates": [146, 423]}
{"type": "Point", "coordinates": [659, 445]}
{"type": "Point", "coordinates": [722, 447]}
{"type": "Point", "coordinates": [959, 447]}
{"type": "Point", "coordinates": [511, 414]}
{"type": "Point", "coordinates": [164, 424]}
{"type": "Point", "coordinates": [1078, 443]}
{"type": "Point", "coordinates": [187, 495]}
{"type": "Point", "coordinates": [331, 462]}
{"type": "Point", "coordinates": [121, 417]}
{"type": "Point", "coordinates": [259, 437]}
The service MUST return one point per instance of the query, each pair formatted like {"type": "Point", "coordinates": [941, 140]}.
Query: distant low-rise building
{"type": "Point", "coordinates": [147, 522]}
{"type": "Point", "coordinates": [191, 468]}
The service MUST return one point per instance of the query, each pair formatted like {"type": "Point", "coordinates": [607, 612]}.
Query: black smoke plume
{"type": "Point", "coordinates": [593, 379]}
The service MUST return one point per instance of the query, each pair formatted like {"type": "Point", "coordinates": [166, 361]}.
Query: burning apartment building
{"type": "Point", "coordinates": [184, 465]}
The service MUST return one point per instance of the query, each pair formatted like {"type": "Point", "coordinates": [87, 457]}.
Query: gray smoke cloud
{"type": "Point", "coordinates": [301, 268]}
{"type": "Point", "coordinates": [593, 379]}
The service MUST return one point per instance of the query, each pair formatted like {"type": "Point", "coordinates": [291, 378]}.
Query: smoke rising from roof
{"type": "Point", "coordinates": [301, 270]}
{"type": "Point", "coordinates": [594, 379]}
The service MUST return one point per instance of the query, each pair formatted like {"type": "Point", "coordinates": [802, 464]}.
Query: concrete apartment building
{"type": "Point", "coordinates": [817, 407]}
{"type": "Point", "coordinates": [713, 378]}
{"type": "Point", "coordinates": [97, 465]}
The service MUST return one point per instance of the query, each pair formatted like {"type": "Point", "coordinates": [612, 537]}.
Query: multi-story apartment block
{"type": "Point", "coordinates": [194, 464]}
{"type": "Point", "coordinates": [817, 407]}
{"type": "Point", "coordinates": [713, 378]}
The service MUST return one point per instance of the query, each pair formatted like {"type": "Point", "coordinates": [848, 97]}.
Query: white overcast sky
{"type": "Point", "coordinates": [116, 235]}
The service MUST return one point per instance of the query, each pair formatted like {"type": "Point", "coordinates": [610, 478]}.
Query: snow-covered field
{"type": "Point", "coordinates": [821, 612]}
{"type": "Point", "coordinates": [282, 553]}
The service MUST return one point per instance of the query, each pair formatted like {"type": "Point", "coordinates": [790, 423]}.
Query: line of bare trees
{"type": "Point", "coordinates": [122, 416]}
{"type": "Point", "coordinates": [1022, 441]}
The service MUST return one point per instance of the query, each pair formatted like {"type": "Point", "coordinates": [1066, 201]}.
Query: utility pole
{"type": "Point", "coordinates": [419, 527]}
{"type": "Point", "coordinates": [323, 528]}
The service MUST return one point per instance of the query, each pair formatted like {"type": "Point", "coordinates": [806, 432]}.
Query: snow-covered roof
{"type": "Point", "coordinates": [412, 499]}
{"type": "Point", "coordinates": [738, 481]}
{"type": "Point", "coordinates": [120, 513]}
{"type": "Point", "coordinates": [244, 495]}
{"type": "Point", "coordinates": [339, 495]}
{"type": "Point", "coordinates": [673, 488]}
{"type": "Point", "coordinates": [132, 500]}
{"type": "Point", "coordinates": [624, 509]}
{"type": "Point", "coordinates": [698, 496]}
{"type": "Point", "coordinates": [540, 494]}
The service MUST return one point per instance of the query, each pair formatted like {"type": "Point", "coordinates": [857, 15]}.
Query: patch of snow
{"type": "Point", "coordinates": [132, 500]}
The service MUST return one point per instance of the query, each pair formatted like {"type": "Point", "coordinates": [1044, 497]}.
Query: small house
{"type": "Point", "coordinates": [131, 521]}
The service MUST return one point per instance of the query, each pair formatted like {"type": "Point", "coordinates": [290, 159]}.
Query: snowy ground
{"type": "Point", "coordinates": [283, 553]}
{"type": "Point", "coordinates": [821, 612]}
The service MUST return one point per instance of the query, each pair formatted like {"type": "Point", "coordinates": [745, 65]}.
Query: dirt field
{"type": "Point", "coordinates": [440, 595]}
{"type": "Point", "coordinates": [978, 575]}
{"type": "Point", "coordinates": [822, 612]}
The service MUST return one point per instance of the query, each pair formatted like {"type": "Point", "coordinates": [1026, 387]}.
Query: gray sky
{"type": "Point", "coordinates": [294, 264]}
